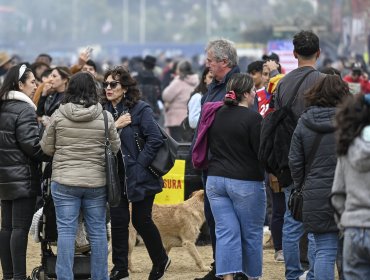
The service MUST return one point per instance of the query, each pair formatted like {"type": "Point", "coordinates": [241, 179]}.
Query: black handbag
{"type": "Point", "coordinates": [111, 170]}
{"type": "Point", "coordinates": [295, 202]}
{"type": "Point", "coordinates": [166, 155]}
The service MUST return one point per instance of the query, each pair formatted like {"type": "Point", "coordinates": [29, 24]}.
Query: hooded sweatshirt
{"type": "Point", "coordinates": [318, 215]}
{"type": "Point", "coordinates": [351, 189]}
{"type": "Point", "coordinates": [76, 138]}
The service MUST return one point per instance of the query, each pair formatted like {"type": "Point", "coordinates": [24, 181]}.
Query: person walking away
{"type": "Point", "coordinates": [235, 187]}
{"type": "Point", "coordinates": [75, 138]}
{"type": "Point", "coordinates": [222, 61]}
{"type": "Point", "coordinates": [134, 116]}
{"type": "Point", "coordinates": [150, 86]}
{"type": "Point", "coordinates": [318, 216]}
{"type": "Point", "coordinates": [306, 51]}
{"type": "Point", "coordinates": [176, 97]}
{"type": "Point", "coordinates": [20, 168]}
{"type": "Point", "coordinates": [350, 190]}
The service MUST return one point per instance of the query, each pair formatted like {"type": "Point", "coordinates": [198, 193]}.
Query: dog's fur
{"type": "Point", "coordinates": [179, 225]}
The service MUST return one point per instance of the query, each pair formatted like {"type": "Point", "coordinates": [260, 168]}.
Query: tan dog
{"type": "Point", "coordinates": [179, 225]}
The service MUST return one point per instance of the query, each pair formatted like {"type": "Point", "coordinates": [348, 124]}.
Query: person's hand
{"type": "Point", "coordinates": [271, 65]}
{"type": "Point", "coordinates": [123, 120]}
{"type": "Point", "coordinates": [84, 56]}
{"type": "Point", "coordinates": [45, 120]}
{"type": "Point", "coordinates": [365, 76]}
{"type": "Point", "coordinates": [46, 89]}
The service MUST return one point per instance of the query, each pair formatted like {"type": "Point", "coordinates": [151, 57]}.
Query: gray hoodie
{"type": "Point", "coordinates": [351, 187]}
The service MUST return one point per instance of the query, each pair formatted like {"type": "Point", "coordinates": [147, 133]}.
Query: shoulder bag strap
{"type": "Point", "coordinates": [312, 154]}
{"type": "Point", "coordinates": [107, 142]}
{"type": "Point", "coordinates": [295, 91]}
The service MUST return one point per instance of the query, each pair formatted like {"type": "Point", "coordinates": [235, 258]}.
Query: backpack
{"type": "Point", "coordinates": [276, 134]}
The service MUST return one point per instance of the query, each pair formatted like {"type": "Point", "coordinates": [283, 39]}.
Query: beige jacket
{"type": "Point", "coordinates": [75, 137]}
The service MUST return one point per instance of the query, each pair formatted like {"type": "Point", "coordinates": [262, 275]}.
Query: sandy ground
{"type": "Point", "coordinates": [182, 267]}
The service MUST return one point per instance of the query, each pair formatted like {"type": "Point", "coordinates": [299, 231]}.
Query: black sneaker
{"type": "Point", "coordinates": [118, 275]}
{"type": "Point", "coordinates": [209, 276]}
{"type": "Point", "coordinates": [240, 276]}
{"type": "Point", "coordinates": [159, 270]}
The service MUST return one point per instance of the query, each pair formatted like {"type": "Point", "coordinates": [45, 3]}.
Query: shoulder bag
{"type": "Point", "coordinates": [166, 155]}
{"type": "Point", "coordinates": [295, 202]}
{"type": "Point", "coordinates": [111, 169]}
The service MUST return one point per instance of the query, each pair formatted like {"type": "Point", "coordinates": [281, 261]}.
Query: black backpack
{"type": "Point", "coordinates": [276, 134]}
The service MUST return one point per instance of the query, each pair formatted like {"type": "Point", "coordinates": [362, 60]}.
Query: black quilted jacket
{"type": "Point", "coordinates": [20, 152]}
{"type": "Point", "coordinates": [318, 216]}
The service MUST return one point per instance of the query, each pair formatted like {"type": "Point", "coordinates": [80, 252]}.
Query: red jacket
{"type": "Point", "coordinates": [365, 84]}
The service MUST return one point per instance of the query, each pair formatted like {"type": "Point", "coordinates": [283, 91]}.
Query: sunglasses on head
{"type": "Point", "coordinates": [112, 85]}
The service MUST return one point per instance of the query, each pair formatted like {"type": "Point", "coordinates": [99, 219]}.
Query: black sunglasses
{"type": "Point", "coordinates": [112, 85]}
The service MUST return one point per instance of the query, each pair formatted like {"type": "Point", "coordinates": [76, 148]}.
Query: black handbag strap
{"type": "Point", "coordinates": [107, 142]}
{"type": "Point", "coordinates": [312, 154]}
{"type": "Point", "coordinates": [293, 98]}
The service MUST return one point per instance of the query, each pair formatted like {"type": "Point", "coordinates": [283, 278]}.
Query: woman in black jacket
{"type": "Point", "coordinates": [318, 216]}
{"type": "Point", "coordinates": [134, 116]}
{"type": "Point", "coordinates": [20, 156]}
{"type": "Point", "coordinates": [53, 91]}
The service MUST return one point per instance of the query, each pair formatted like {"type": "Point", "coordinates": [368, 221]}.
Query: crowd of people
{"type": "Point", "coordinates": [53, 126]}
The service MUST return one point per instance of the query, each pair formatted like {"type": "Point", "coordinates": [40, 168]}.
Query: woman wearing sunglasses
{"type": "Point", "coordinates": [122, 99]}
{"type": "Point", "coordinates": [20, 158]}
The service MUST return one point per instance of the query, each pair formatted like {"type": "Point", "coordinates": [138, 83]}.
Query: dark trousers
{"type": "Point", "coordinates": [277, 219]}
{"type": "Point", "coordinates": [143, 223]}
{"type": "Point", "coordinates": [16, 219]}
{"type": "Point", "coordinates": [209, 216]}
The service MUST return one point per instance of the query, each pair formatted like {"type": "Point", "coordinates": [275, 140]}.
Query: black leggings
{"type": "Point", "coordinates": [143, 223]}
{"type": "Point", "coordinates": [16, 219]}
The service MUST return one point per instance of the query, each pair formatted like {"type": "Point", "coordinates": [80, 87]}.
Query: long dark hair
{"type": "Point", "coordinates": [81, 90]}
{"type": "Point", "coordinates": [352, 116]}
{"type": "Point", "coordinates": [327, 92]}
{"type": "Point", "coordinates": [202, 86]}
{"type": "Point", "coordinates": [121, 74]}
{"type": "Point", "coordinates": [239, 83]}
{"type": "Point", "coordinates": [11, 81]}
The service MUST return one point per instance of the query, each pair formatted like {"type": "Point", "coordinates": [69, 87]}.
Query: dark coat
{"type": "Point", "coordinates": [20, 152]}
{"type": "Point", "coordinates": [318, 216]}
{"type": "Point", "coordinates": [48, 104]}
{"type": "Point", "coordinates": [217, 90]}
{"type": "Point", "coordinates": [140, 181]}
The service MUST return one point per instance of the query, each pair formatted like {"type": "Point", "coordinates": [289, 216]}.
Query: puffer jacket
{"type": "Point", "coordinates": [351, 190]}
{"type": "Point", "coordinates": [76, 137]}
{"type": "Point", "coordinates": [20, 151]}
{"type": "Point", "coordinates": [176, 97]}
{"type": "Point", "coordinates": [318, 215]}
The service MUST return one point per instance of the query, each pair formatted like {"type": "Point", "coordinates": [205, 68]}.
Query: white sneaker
{"type": "Point", "coordinates": [279, 257]}
{"type": "Point", "coordinates": [303, 276]}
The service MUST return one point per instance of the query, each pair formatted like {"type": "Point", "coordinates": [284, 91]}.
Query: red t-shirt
{"type": "Point", "coordinates": [263, 102]}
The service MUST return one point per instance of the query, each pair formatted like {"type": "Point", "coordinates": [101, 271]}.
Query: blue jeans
{"type": "Point", "coordinates": [239, 210]}
{"type": "Point", "coordinates": [92, 201]}
{"type": "Point", "coordinates": [326, 245]}
{"type": "Point", "coordinates": [356, 253]}
{"type": "Point", "coordinates": [292, 233]}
